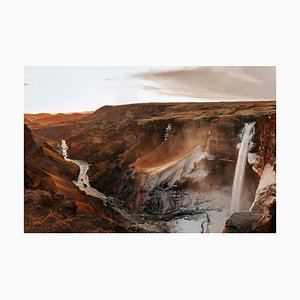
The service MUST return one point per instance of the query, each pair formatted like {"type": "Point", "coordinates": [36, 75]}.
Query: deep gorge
{"type": "Point", "coordinates": [175, 162]}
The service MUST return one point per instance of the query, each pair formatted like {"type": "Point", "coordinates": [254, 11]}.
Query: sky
{"type": "Point", "coordinates": [78, 89]}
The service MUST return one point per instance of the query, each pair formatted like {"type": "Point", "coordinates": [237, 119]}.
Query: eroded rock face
{"type": "Point", "coordinates": [265, 143]}
{"type": "Point", "coordinates": [261, 218]}
{"type": "Point", "coordinates": [196, 164]}
{"type": "Point", "coordinates": [262, 214]}
{"type": "Point", "coordinates": [44, 168]}
{"type": "Point", "coordinates": [30, 146]}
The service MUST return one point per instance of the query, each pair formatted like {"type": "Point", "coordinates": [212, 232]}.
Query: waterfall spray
{"type": "Point", "coordinates": [239, 174]}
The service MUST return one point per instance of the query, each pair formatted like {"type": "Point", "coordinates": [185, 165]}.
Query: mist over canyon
{"type": "Point", "coordinates": [155, 167]}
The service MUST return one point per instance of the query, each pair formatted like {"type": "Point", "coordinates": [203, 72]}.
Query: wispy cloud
{"type": "Point", "coordinates": [219, 83]}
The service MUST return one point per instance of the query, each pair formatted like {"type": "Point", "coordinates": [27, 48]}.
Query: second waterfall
{"type": "Point", "coordinates": [239, 174]}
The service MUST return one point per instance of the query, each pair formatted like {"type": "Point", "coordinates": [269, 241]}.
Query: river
{"type": "Point", "coordinates": [82, 181]}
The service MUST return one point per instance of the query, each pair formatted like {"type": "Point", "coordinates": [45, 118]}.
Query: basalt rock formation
{"type": "Point", "coordinates": [187, 171]}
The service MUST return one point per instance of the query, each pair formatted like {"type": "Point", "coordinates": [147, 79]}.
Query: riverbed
{"type": "Point", "coordinates": [82, 181]}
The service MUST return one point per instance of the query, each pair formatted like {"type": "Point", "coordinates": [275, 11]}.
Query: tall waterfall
{"type": "Point", "coordinates": [239, 174]}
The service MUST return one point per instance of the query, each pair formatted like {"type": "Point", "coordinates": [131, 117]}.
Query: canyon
{"type": "Point", "coordinates": [205, 167]}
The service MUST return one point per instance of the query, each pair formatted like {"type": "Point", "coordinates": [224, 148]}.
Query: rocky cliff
{"type": "Point", "coordinates": [262, 215]}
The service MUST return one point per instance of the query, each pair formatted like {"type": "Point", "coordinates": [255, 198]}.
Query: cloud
{"type": "Point", "coordinates": [218, 83]}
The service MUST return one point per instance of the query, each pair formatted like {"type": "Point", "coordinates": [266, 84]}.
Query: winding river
{"type": "Point", "coordinates": [83, 179]}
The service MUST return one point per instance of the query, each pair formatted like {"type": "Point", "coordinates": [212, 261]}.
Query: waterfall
{"type": "Point", "coordinates": [167, 132]}
{"type": "Point", "coordinates": [64, 148]}
{"type": "Point", "coordinates": [239, 173]}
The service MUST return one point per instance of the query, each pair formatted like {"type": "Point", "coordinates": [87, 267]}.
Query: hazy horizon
{"type": "Point", "coordinates": [85, 89]}
{"type": "Point", "coordinates": [132, 103]}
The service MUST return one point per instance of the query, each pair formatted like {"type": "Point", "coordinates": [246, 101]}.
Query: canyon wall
{"type": "Point", "coordinates": [52, 203]}
{"type": "Point", "coordinates": [262, 215]}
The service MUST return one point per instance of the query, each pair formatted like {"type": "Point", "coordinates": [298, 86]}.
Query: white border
{"type": "Point", "coordinates": [115, 266]}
